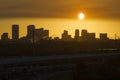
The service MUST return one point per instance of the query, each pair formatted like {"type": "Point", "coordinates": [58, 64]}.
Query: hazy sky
{"type": "Point", "coordinates": [109, 9]}
{"type": "Point", "coordinates": [59, 15]}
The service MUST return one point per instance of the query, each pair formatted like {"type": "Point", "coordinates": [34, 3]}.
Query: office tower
{"type": "Point", "coordinates": [76, 34]}
{"type": "Point", "coordinates": [103, 36]}
{"type": "Point", "coordinates": [15, 32]}
{"type": "Point", "coordinates": [84, 33]}
{"type": "Point", "coordinates": [66, 37]}
{"type": "Point", "coordinates": [30, 31]}
{"type": "Point", "coordinates": [38, 34]}
{"type": "Point", "coordinates": [4, 36]}
{"type": "Point", "coordinates": [91, 36]}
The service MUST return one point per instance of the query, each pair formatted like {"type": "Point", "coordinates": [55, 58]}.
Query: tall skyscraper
{"type": "Point", "coordinates": [77, 34]}
{"type": "Point", "coordinates": [38, 34]}
{"type": "Point", "coordinates": [30, 31]}
{"type": "Point", "coordinates": [84, 33]}
{"type": "Point", "coordinates": [15, 32]}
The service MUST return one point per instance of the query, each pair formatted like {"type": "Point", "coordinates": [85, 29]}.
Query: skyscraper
{"type": "Point", "coordinates": [30, 31]}
{"type": "Point", "coordinates": [84, 35]}
{"type": "Point", "coordinates": [66, 37]}
{"type": "Point", "coordinates": [91, 36]}
{"type": "Point", "coordinates": [77, 34]}
{"type": "Point", "coordinates": [38, 34]}
{"type": "Point", "coordinates": [15, 32]}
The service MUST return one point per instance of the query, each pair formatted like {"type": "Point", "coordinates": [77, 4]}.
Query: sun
{"type": "Point", "coordinates": [81, 16]}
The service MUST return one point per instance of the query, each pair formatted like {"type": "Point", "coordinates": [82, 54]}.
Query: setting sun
{"type": "Point", "coordinates": [81, 16]}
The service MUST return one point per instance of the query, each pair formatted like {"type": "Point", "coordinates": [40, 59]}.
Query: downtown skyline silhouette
{"type": "Point", "coordinates": [40, 34]}
{"type": "Point", "coordinates": [37, 33]}
{"type": "Point", "coordinates": [60, 40]}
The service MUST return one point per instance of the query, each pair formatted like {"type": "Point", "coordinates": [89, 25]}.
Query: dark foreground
{"type": "Point", "coordinates": [58, 48]}
{"type": "Point", "coordinates": [62, 67]}
{"type": "Point", "coordinates": [54, 60]}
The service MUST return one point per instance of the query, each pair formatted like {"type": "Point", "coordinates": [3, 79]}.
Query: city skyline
{"type": "Point", "coordinates": [57, 26]}
{"type": "Point", "coordinates": [59, 39]}
{"type": "Point", "coordinates": [100, 16]}
{"type": "Point", "coordinates": [36, 34]}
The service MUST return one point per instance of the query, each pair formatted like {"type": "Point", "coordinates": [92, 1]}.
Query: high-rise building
{"type": "Point", "coordinates": [91, 36]}
{"type": "Point", "coordinates": [38, 34]}
{"type": "Point", "coordinates": [66, 37]}
{"type": "Point", "coordinates": [4, 37]}
{"type": "Point", "coordinates": [30, 31]}
{"type": "Point", "coordinates": [15, 32]}
{"type": "Point", "coordinates": [77, 34]}
{"type": "Point", "coordinates": [103, 36]}
{"type": "Point", "coordinates": [84, 35]}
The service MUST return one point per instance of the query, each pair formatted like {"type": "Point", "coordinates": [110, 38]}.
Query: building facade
{"type": "Point", "coordinates": [15, 32]}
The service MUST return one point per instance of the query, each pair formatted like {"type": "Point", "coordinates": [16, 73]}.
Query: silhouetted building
{"type": "Point", "coordinates": [84, 35]}
{"type": "Point", "coordinates": [15, 32]}
{"type": "Point", "coordinates": [84, 32]}
{"type": "Point", "coordinates": [103, 36]}
{"type": "Point", "coordinates": [77, 34]}
{"type": "Point", "coordinates": [38, 34]}
{"type": "Point", "coordinates": [66, 37]}
{"type": "Point", "coordinates": [30, 32]}
{"type": "Point", "coordinates": [41, 34]}
{"type": "Point", "coordinates": [91, 36]}
{"type": "Point", "coordinates": [4, 37]}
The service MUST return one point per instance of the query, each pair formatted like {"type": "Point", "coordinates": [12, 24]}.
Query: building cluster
{"type": "Point", "coordinates": [85, 36]}
{"type": "Point", "coordinates": [35, 35]}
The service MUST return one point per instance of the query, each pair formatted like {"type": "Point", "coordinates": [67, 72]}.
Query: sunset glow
{"type": "Point", "coordinates": [81, 16]}
{"type": "Point", "coordinates": [95, 16]}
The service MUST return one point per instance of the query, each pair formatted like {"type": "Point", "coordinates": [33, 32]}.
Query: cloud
{"type": "Point", "coordinates": [60, 8]}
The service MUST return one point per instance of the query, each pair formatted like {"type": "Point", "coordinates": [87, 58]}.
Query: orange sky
{"type": "Point", "coordinates": [57, 25]}
{"type": "Point", "coordinates": [60, 8]}
{"type": "Point", "coordinates": [59, 15]}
